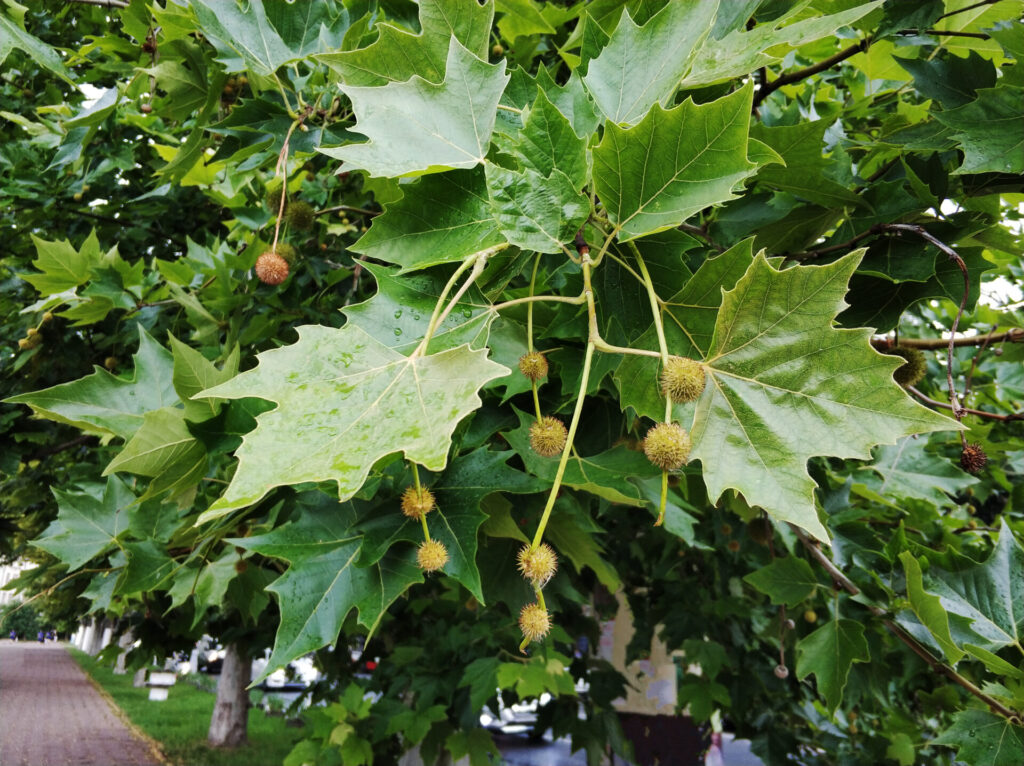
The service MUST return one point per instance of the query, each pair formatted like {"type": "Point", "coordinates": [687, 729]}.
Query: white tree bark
{"type": "Point", "coordinates": [94, 637]}
{"type": "Point", "coordinates": [229, 723]}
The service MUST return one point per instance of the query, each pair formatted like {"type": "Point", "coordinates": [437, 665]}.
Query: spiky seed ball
{"type": "Point", "coordinates": [973, 458]}
{"type": "Point", "coordinates": [538, 564]}
{"type": "Point", "coordinates": [432, 555]}
{"type": "Point", "coordinates": [274, 200]}
{"type": "Point", "coordinates": [417, 502]}
{"type": "Point", "coordinates": [271, 268]}
{"type": "Point", "coordinates": [287, 251]}
{"type": "Point", "coordinates": [913, 369]}
{"type": "Point", "coordinates": [300, 215]}
{"type": "Point", "coordinates": [682, 379]}
{"type": "Point", "coordinates": [547, 436]}
{"type": "Point", "coordinates": [733, 545]}
{"type": "Point", "coordinates": [533, 365]}
{"type": "Point", "coordinates": [534, 622]}
{"type": "Point", "coordinates": [667, 446]}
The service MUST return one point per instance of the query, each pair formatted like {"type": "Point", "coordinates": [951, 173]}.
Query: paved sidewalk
{"type": "Point", "coordinates": [50, 715]}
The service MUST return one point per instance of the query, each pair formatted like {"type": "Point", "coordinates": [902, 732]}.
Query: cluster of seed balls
{"type": "Point", "coordinates": [273, 266]}
{"type": "Point", "coordinates": [417, 502]}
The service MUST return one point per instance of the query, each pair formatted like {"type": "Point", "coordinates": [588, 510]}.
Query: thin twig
{"type": "Point", "coordinates": [1015, 335]}
{"type": "Point", "coordinates": [702, 232]}
{"type": "Point", "coordinates": [966, 8]}
{"type": "Point", "coordinates": [920, 231]}
{"type": "Point", "coordinates": [801, 74]}
{"type": "Point", "coordinates": [966, 410]}
{"type": "Point", "coordinates": [104, 3]}
{"type": "Point", "coordinates": [974, 362]}
{"type": "Point", "coordinates": [844, 582]}
{"type": "Point", "coordinates": [347, 209]}
{"type": "Point", "coordinates": [76, 442]}
{"type": "Point", "coordinates": [947, 32]}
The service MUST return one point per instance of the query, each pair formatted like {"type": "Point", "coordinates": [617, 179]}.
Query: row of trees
{"type": "Point", "coordinates": [336, 321]}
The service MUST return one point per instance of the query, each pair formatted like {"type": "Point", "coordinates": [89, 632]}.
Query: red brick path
{"type": "Point", "coordinates": [50, 715]}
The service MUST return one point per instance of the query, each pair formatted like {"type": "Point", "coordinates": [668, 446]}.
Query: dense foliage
{"type": "Point", "coordinates": [304, 302]}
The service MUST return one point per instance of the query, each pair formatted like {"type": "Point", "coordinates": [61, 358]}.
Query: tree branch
{"type": "Point", "coordinates": [801, 74]}
{"type": "Point", "coordinates": [966, 410]}
{"type": "Point", "coordinates": [947, 32]}
{"type": "Point", "coordinates": [920, 231]}
{"type": "Point", "coordinates": [1014, 335]}
{"type": "Point", "coordinates": [347, 209]}
{"type": "Point", "coordinates": [104, 3]}
{"type": "Point", "coordinates": [58, 448]}
{"type": "Point", "coordinates": [966, 8]}
{"type": "Point", "coordinates": [844, 582]}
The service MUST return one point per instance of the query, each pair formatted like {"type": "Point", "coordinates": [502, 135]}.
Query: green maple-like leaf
{"type": "Point", "coordinates": [743, 51]}
{"type": "Point", "coordinates": [786, 580]}
{"type": "Point", "coordinates": [784, 385]}
{"type": "Point", "coordinates": [534, 212]}
{"type": "Point", "coordinates": [642, 66]}
{"type": "Point", "coordinates": [264, 35]}
{"type": "Point", "coordinates": [62, 266]}
{"type": "Point", "coordinates": [398, 55]}
{"type": "Point", "coordinates": [13, 35]}
{"type": "Point", "coordinates": [986, 599]}
{"type": "Point", "coordinates": [323, 583]}
{"type": "Point", "coordinates": [928, 608]}
{"type": "Point", "coordinates": [441, 218]}
{"type": "Point", "coordinates": [549, 142]}
{"type": "Point", "coordinates": [907, 470]}
{"type": "Point", "coordinates": [829, 653]}
{"type": "Point", "coordinates": [163, 448]}
{"type": "Point", "coordinates": [673, 163]}
{"type": "Point", "coordinates": [420, 127]}
{"type": "Point", "coordinates": [991, 130]}
{"type": "Point", "coordinates": [344, 401]}
{"type": "Point", "coordinates": [982, 738]}
{"type": "Point", "coordinates": [455, 521]}
{"type": "Point", "coordinates": [105, 404]}
{"type": "Point", "coordinates": [805, 173]}
{"type": "Point", "coordinates": [88, 524]}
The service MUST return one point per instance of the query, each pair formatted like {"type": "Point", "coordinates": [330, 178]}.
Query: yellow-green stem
{"type": "Point", "coordinates": [540, 598]}
{"type": "Point", "coordinates": [553, 494]}
{"type": "Point", "coordinates": [664, 499]}
{"type": "Point", "coordinates": [416, 476]}
{"type": "Point", "coordinates": [529, 314]}
{"type": "Point", "coordinates": [536, 399]}
{"type": "Point", "coordinates": [426, 531]}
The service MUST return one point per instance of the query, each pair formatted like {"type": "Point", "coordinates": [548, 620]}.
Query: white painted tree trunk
{"type": "Point", "coordinates": [94, 638]}
{"type": "Point", "coordinates": [230, 719]}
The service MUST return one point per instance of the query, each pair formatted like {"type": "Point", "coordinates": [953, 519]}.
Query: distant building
{"type": "Point", "coordinates": [10, 572]}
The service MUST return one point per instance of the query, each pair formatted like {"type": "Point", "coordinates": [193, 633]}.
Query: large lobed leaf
{"type": "Point", "coordinates": [345, 400]}
{"type": "Point", "coordinates": [108, 405]}
{"type": "Point", "coordinates": [784, 385]}
{"type": "Point", "coordinates": [420, 127]}
{"type": "Point", "coordinates": [673, 163]}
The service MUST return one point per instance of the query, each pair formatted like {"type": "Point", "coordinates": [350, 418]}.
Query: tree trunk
{"type": "Point", "coordinates": [231, 712]}
{"type": "Point", "coordinates": [94, 637]}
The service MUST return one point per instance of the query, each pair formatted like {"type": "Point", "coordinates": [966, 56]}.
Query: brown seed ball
{"type": "Point", "coordinates": [146, 108]}
{"type": "Point", "coordinates": [547, 436]}
{"type": "Point", "coordinates": [781, 671]}
{"type": "Point", "coordinates": [241, 565]}
{"type": "Point", "coordinates": [973, 458]}
{"type": "Point", "coordinates": [417, 502]}
{"type": "Point", "coordinates": [913, 369]}
{"type": "Point", "coordinates": [733, 545]}
{"type": "Point", "coordinates": [533, 365]}
{"type": "Point", "coordinates": [300, 215]}
{"type": "Point", "coordinates": [682, 379]}
{"type": "Point", "coordinates": [432, 555]}
{"type": "Point", "coordinates": [538, 565]}
{"type": "Point", "coordinates": [271, 268]}
{"type": "Point", "coordinates": [667, 445]}
{"type": "Point", "coordinates": [110, 362]}
{"type": "Point", "coordinates": [534, 621]}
